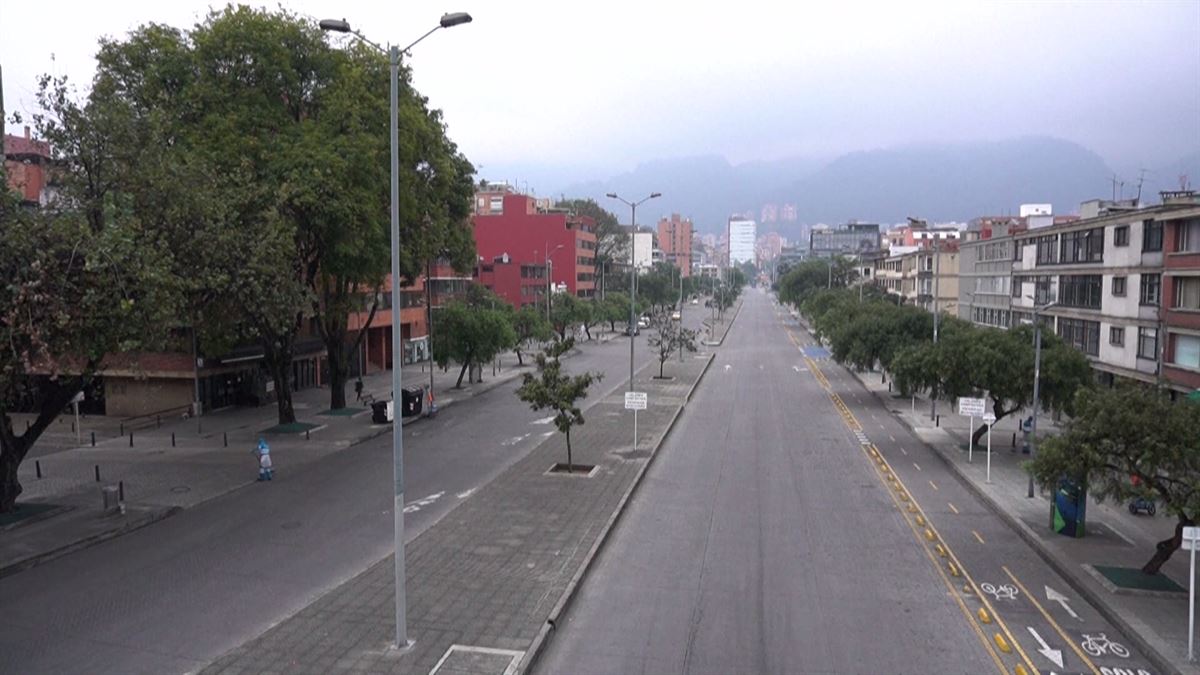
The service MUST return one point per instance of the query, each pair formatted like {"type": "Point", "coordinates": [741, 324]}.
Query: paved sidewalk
{"type": "Point", "coordinates": [183, 462]}
{"type": "Point", "coordinates": [483, 581]}
{"type": "Point", "coordinates": [1115, 537]}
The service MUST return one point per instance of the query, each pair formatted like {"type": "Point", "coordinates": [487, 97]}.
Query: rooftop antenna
{"type": "Point", "coordinates": [1184, 183]}
{"type": "Point", "coordinates": [1113, 180]}
{"type": "Point", "coordinates": [1141, 180]}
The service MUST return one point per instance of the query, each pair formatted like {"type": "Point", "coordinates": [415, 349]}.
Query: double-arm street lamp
{"type": "Point", "coordinates": [394, 52]}
{"type": "Point", "coordinates": [1037, 380]}
{"type": "Point", "coordinates": [549, 275]}
{"type": "Point", "coordinates": [632, 270]}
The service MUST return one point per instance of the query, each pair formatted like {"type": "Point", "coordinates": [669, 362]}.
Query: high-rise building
{"type": "Point", "coordinates": [788, 213]}
{"type": "Point", "coordinates": [742, 233]}
{"type": "Point", "coordinates": [675, 242]}
{"type": "Point", "coordinates": [769, 213]}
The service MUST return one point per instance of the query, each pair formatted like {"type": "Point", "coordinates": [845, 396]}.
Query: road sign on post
{"type": "Point", "coordinates": [1191, 541]}
{"type": "Point", "coordinates": [971, 407]}
{"type": "Point", "coordinates": [989, 419]}
{"type": "Point", "coordinates": [635, 400]}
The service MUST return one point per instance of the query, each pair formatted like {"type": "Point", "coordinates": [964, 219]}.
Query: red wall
{"type": "Point", "coordinates": [525, 236]}
{"type": "Point", "coordinates": [506, 281]}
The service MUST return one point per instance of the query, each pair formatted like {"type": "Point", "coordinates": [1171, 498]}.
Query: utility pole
{"type": "Point", "coordinates": [1037, 377]}
{"type": "Point", "coordinates": [936, 250]}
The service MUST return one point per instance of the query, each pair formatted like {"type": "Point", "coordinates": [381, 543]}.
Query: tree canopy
{"type": "Point", "coordinates": [1130, 442]}
{"type": "Point", "coordinates": [558, 391]}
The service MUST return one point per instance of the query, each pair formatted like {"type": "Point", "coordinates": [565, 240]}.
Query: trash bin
{"type": "Point", "coordinates": [410, 401]}
{"type": "Point", "coordinates": [112, 499]}
{"type": "Point", "coordinates": [379, 412]}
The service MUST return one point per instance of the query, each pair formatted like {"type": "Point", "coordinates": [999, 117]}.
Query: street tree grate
{"type": "Point", "coordinates": [1133, 578]}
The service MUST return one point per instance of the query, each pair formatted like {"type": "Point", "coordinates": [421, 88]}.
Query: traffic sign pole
{"type": "Point", "coordinates": [970, 445]}
{"type": "Point", "coordinates": [1191, 537]}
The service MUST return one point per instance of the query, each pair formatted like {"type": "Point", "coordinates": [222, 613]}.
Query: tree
{"type": "Point", "coordinates": [614, 308]}
{"type": "Point", "coordinates": [472, 330]}
{"type": "Point", "coordinates": [529, 325]}
{"type": "Point", "coordinates": [668, 338]}
{"type": "Point", "coordinates": [75, 288]}
{"type": "Point", "coordinates": [558, 391]}
{"type": "Point", "coordinates": [1130, 442]}
{"type": "Point", "coordinates": [564, 313]}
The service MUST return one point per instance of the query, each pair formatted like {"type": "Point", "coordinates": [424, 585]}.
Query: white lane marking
{"type": "Point", "coordinates": [917, 465]}
{"type": "Point", "coordinates": [893, 438]}
{"type": "Point", "coordinates": [902, 450]}
{"type": "Point", "coordinates": [1054, 655]}
{"type": "Point", "coordinates": [413, 507]}
{"type": "Point", "coordinates": [1054, 596]}
{"type": "Point", "coordinates": [548, 434]}
{"type": "Point", "coordinates": [544, 420]}
{"type": "Point", "coordinates": [727, 367]}
{"type": "Point", "coordinates": [515, 439]}
{"type": "Point", "coordinates": [465, 494]}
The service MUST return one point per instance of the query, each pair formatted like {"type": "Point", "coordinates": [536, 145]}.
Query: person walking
{"type": "Point", "coordinates": [266, 470]}
{"type": "Point", "coordinates": [358, 389]}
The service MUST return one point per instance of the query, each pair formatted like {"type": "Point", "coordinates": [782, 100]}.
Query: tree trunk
{"type": "Point", "coordinates": [1166, 547]}
{"type": "Point", "coordinates": [13, 448]}
{"type": "Point", "coordinates": [1000, 414]}
{"type": "Point", "coordinates": [458, 385]}
{"type": "Point", "coordinates": [587, 332]}
{"type": "Point", "coordinates": [279, 364]}
{"type": "Point", "coordinates": [10, 459]}
{"type": "Point", "coordinates": [519, 361]}
{"type": "Point", "coordinates": [337, 377]}
{"type": "Point", "coordinates": [662, 362]}
{"type": "Point", "coordinates": [570, 466]}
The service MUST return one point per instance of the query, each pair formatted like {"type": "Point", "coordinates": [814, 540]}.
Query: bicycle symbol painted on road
{"type": "Point", "coordinates": [1001, 592]}
{"type": "Point", "coordinates": [1099, 645]}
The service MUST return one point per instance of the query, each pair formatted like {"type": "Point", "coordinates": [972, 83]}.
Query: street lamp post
{"type": "Point", "coordinates": [394, 52]}
{"type": "Point", "coordinates": [936, 318]}
{"type": "Point", "coordinates": [632, 271]}
{"type": "Point", "coordinates": [549, 275]}
{"type": "Point", "coordinates": [1037, 377]}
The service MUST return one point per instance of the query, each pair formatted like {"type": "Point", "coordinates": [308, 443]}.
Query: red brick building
{"type": "Point", "coordinates": [531, 232]}
{"type": "Point", "coordinates": [1181, 297]}
{"type": "Point", "coordinates": [520, 284]}
{"type": "Point", "coordinates": [675, 242]}
{"type": "Point", "coordinates": [27, 163]}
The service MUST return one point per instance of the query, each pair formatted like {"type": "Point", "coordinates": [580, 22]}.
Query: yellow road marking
{"type": "Point", "coordinates": [933, 485]}
{"type": "Point", "coordinates": [1053, 624]}
{"type": "Point", "coordinates": [952, 507]}
{"type": "Point", "coordinates": [977, 536]}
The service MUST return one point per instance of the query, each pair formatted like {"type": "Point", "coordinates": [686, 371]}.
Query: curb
{"type": "Point", "coordinates": [1064, 569]}
{"type": "Point", "coordinates": [86, 542]}
{"type": "Point", "coordinates": [535, 649]}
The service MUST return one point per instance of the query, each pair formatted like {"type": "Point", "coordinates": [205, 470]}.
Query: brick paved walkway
{"type": "Point", "coordinates": [488, 574]}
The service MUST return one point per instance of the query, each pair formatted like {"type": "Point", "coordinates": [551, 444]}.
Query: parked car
{"type": "Point", "coordinates": [675, 316]}
{"type": "Point", "coordinates": [644, 322]}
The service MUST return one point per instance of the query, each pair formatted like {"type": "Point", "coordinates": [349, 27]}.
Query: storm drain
{"type": "Point", "coordinates": [470, 660]}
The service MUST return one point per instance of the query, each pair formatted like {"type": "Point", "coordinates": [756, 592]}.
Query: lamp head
{"type": "Point", "coordinates": [454, 19]}
{"type": "Point", "coordinates": [335, 25]}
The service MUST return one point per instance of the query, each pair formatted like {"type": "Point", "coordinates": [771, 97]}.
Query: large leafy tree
{"type": "Point", "coordinates": [558, 391]}
{"type": "Point", "coordinates": [1130, 442]}
{"type": "Point", "coordinates": [78, 283]}
{"type": "Point", "coordinates": [473, 330]}
{"type": "Point", "coordinates": [564, 313]}
{"type": "Point", "coordinates": [668, 338]}
{"type": "Point", "coordinates": [529, 326]}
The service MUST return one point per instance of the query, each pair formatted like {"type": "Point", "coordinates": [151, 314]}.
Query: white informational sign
{"type": "Point", "coordinates": [1191, 539]}
{"type": "Point", "coordinates": [989, 418]}
{"type": "Point", "coordinates": [635, 400]}
{"type": "Point", "coordinates": [971, 407]}
{"type": "Point", "coordinates": [391, 417]}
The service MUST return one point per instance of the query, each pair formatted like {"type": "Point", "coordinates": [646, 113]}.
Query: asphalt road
{"type": "Point", "coordinates": [766, 538]}
{"type": "Point", "coordinates": [173, 596]}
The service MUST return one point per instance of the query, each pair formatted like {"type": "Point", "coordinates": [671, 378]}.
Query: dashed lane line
{"type": "Point", "coordinates": [952, 507]}
{"type": "Point", "coordinates": [1053, 624]}
{"type": "Point", "coordinates": [978, 536]}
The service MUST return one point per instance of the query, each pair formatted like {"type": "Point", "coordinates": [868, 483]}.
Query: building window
{"type": "Point", "coordinates": [1121, 235]}
{"type": "Point", "coordinates": [1047, 251]}
{"type": "Point", "coordinates": [1079, 290]}
{"type": "Point", "coordinates": [1187, 292]}
{"type": "Point", "coordinates": [1189, 237]}
{"type": "Point", "coordinates": [1187, 351]}
{"type": "Point", "coordinates": [1082, 246]}
{"type": "Point", "coordinates": [1018, 247]}
{"type": "Point", "coordinates": [1016, 286]}
{"type": "Point", "coordinates": [1151, 289]}
{"type": "Point", "coordinates": [1152, 235]}
{"type": "Point", "coordinates": [1080, 334]}
{"type": "Point", "coordinates": [1148, 343]}
{"type": "Point", "coordinates": [496, 205]}
{"type": "Point", "coordinates": [1118, 286]}
{"type": "Point", "coordinates": [1116, 336]}
{"type": "Point", "coordinates": [1041, 290]}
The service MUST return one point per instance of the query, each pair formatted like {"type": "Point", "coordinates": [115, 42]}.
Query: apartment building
{"type": "Point", "coordinates": [675, 242]}
{"type": "Point", "coordinates": [918, 275]}
{"type": "Point", "coordinates": [520, 284]}
{"type": "Point", "coordinates": [1105, 274]}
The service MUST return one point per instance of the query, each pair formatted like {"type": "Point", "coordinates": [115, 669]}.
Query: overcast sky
{"type": "Point", "coordinates": [608, 85]}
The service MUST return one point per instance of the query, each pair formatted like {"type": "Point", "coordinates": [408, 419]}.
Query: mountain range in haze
{"type": "Point", "coordinates": [940, 182]}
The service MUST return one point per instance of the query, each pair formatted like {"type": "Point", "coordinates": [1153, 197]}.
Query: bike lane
{"type": "Point", "coordinates": [1032, 618]}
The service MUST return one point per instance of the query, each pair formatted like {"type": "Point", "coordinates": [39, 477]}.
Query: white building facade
{"type": "Point", "coordinates": [742, 235]}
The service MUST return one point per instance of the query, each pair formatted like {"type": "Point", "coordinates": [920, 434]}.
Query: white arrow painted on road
{"type": "Point", "coordinates": [544, 420]}
{"type": "Point", "coordinates": [1054, 596]}
{"type": "Point", "coordinates": [464, 495]}
{"type": "Point", "coordinates": [727, 367]}
{"type": "Point", "coordinates": [1055, 655]}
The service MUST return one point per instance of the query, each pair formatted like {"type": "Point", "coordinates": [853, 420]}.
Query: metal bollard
{"type": "Point", "coordinates": [131, 439]}
{"type": "Point", "coordinates": [93, 439]}
{"type": "Point", "coordinates": [122, 429]}
{"type": "Point", "coordinates": [26, 425]}
{"type": "Point", "coordinates": [1014, 439]}
{"type": "Point", "coordinates": [306, 434]}
{"type": "Point", "coordinates": [97, 473]}
{"type": "Point", "coordinates": [121, 490]}
{"type": "Point", "coordinates": [939, 421]}
{"type": "Point", "coordinates": [72, 427]}
{"type": "Point", "coordinates": [172, 439]}
{"type": "Point", "coordinates": [225, 434]}
{"type": "Point", "coordinates": [37, 464]}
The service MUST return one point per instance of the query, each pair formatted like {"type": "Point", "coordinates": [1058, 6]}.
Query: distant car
{"type": "Point", "coordinates": [644, 322]}
{"type": "Point", "coordinates": [695, 301]}
{"type": "Point", "coordinates": [675, 316]}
